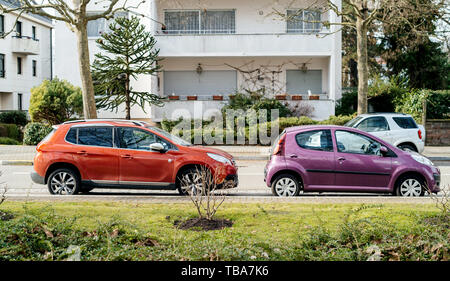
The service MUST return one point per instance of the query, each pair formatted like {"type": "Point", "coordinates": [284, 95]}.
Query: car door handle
{"type": "Point", "coordinates": [293, 156]}
{"type": "Point", "coordinates": [341, 158]}
{"type": "Point", "coordinates": [128, 156]}
{"type": "Point", "coordinates": [83, 152]}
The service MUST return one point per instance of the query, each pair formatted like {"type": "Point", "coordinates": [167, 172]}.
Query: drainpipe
{"type": "Point", "coordinates": [51, 53]}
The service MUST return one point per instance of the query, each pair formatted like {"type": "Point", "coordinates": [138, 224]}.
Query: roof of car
{"type": "Point", "coordinates": [318, 127]}
{"type": "Point", "coordinates": [107, 122]}
{"type": "Point", "coordinates": [385, 113]}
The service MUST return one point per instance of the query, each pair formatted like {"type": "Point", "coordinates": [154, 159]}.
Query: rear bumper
{"type": "Point", "coordinates": [36, 178]}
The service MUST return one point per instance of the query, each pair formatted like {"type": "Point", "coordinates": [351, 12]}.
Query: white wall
{"type": "Point", "coordinates": [14, 83]}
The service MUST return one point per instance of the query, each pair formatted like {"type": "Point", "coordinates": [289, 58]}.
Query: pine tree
{"type": "Point", "coordinates": [129, 52]}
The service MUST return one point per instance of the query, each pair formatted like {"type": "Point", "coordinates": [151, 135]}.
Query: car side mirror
{"type": "Point", "coordinates": [384, 149]}
{"type": "Point", "coordinates": [157, 147]}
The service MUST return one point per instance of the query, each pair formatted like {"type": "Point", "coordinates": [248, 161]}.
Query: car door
{"type": "Point", "coordinates": [95, 153]}
{"type": "Point", "coordinates": [377, 126]}
{"type": "Point", "coordinates": [138, 164]}
{"type": "Point", "coordinates": [360, 163]}
{"type": "Point", "coordinates": [313, 152]}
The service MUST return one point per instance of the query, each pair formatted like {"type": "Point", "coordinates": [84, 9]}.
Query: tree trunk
{"type": "Point", "coordinates": [87, 86]}
{"type": "Point", "coordinates": [127, 100]}
{"type": "Point", "coordinates": [363, 68]}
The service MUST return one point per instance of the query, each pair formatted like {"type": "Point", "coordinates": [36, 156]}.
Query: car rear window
{"type": "Point", "coordinates": [93, 136]}
{"type": "Point", "coordinates": [315, 140]}
{"type": "Point", "coordinates": [405, 122]}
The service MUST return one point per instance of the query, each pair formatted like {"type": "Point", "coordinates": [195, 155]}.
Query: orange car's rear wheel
{"type": "Point", "coordinates": [63, 182]}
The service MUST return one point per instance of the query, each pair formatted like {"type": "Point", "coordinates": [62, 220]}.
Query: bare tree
{"type": "Point", "coordinates": [3, 192]}
{"type": "Point", "coordinates": [75, 14]}
{"type": "Point", "coordinates": [206, 190]}
{"type": "Point", "coordinates": [361, 15]}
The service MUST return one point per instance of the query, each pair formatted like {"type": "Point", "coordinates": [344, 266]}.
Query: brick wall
{"type": "Point", "coordinates": [438, 132]}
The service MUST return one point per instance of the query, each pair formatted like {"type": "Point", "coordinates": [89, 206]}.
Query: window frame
{"type": "Point", "coordinates": [19, 66]}
{"type": "Point", "coordinates": [34, 68]}
{"type": "Point", "coordinates": [2, 24]}
{"type": "Point", "coordinates": [119, 137]}
{"type": "Point", "coordinates": [372, 117]}
{"type": "Point", "coordinates": [358, 134]}
{"type": "Point", "coordinates": [33, 33]}
{"type": "Point", "coordinates": [201, 16]}
{"type": "Point", "coordinates": [303, 31]}
{"type": "Point", "coordinates": [77, 127]}
{"type": "Point", "coordinates": [19, 26]}
{"type": "Point", "coordinates": [316, 149]}
{"type": "Point", "coordinates": [19, 101]}
{"type": "Point", "coordinates": [2, 65]}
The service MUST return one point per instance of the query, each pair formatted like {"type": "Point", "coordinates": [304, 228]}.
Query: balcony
{"type": "Point", "coordinates": [240, 45]}
{"type": "Point", "coordinates": [25, 45]}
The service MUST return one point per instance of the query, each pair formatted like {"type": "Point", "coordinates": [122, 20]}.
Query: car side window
{"type": "Point", "coordinates": [132, 138]}
{"type": "Point", "coordinates": [373, 124]}
{"type": "Point", "coordinates": [315, 140]}
{"type": "Point", "coordinates": [351, 142]}
{"type": "Point", "coordinates": [72, 136]}
{"type": "Point", "coordinates": [95, 136]}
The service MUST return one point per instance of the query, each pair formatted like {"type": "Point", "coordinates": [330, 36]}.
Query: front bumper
{"type": "Point", "coordinates": [36, 178]}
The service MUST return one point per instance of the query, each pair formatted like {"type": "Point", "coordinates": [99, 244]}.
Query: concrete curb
{"type": "Point", "coordinates": [16, 162]}
{"type": "Point", "coordinates": [237, 157]}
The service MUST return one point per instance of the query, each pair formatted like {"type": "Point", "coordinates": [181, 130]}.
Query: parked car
{"type": "Point", "coordinates": [82, 155]}
{"type": "Point", "coordinates": [343, 159]}
{"type": "Point", "coordinates": [396, 128]}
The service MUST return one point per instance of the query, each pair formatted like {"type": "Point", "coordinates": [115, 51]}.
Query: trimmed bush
{"type": "Point", "coordinates": [55, 101]}
{"type": "Point", "coordinates": [438, 104]}
{"type": "Point", "coordinates": [10, 141]}
{"type": "Point", "coordinates": [10, 131]}
{"type": "Point", "coordinates": [35, 132]}
{"type": "Point", "coordinates": [16, 117]}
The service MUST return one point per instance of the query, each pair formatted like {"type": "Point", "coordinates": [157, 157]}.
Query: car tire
{"type": "Point", "coordinates": [191, 175]}
{"type": "Point", "coordinates": [63, 182]}
{"type": "Point", "coordinates": [286, 185]}
{"type": "Point", "coordinates": [407, 147]}
{"type": "Point", "coordinates": [410, 186]}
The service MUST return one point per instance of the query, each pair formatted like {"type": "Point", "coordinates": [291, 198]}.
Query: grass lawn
{"type": "Point", "coordinates": [288, 231]}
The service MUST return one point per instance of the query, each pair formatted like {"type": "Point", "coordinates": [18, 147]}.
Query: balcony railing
{"type": "Point", "coordinates": [198, 31]}
{"type": "Point", "coordinates": [25, 45]}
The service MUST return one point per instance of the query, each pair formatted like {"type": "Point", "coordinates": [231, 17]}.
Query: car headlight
{"type": "Point", "coordinates": [219, 158]}
{"type": "Point", "coordinates": [421, 159]}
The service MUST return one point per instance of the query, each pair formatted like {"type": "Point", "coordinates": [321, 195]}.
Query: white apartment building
{"type": "Point", "coordinates": [25, 57]}
{"type": "Point", "coordinates": [213, 48]}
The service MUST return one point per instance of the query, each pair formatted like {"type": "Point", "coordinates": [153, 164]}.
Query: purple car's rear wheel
{"type": "Point", "coordinates": [285, 185]}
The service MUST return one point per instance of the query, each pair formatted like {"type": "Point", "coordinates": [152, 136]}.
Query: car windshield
{"type": "Point", "coordinates": [353, 122]}
{"type": "Point", "coordinates": [175, 139]}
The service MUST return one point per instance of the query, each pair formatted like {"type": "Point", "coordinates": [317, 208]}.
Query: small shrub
{"type": "Point", "coordinates": [18, 118]}
{"type": "Point", "coordinates": [35, 132]}
{"type": "Point", "coordinates": [10, 131]}
{"type": "Point", "coordinates": [10, 141]}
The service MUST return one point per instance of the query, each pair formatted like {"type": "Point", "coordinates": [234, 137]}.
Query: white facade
{"type": "Point", "coordinates": [210, 44]}
{"type": "Point", "coordinates": [33, 48]}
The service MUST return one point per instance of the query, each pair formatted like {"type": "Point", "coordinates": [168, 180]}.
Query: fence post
{"type": "Point", "coordinates": [424, 112]}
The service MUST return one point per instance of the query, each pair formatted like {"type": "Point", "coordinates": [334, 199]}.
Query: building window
{"type": "Point", "coordinates": [200, 22]}
{"type": "Point", "coordinates": [97, 27]}
{"type": "Point", "coordinates": [19, 65]}
{"type": "Point", "coordinates": [33, 32]}
{"type": "Point", "coordinates": [303, 21]}
{"type": "Point", "coordinates": [2, 25]}
{"type": "Point", "coordinates": [34, 68]}
{"type": "Point", "coordinates": [19, 102]}
{"type": "Point", "coordinates": [19, 29]}
{"type": "Point", "coordinates": [2, 65]}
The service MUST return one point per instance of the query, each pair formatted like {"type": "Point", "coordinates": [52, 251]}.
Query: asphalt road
{"type": "Point", "coordinates": [251, 188]}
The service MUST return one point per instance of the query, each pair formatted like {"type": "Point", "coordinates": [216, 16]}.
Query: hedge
{"type": "Point", "coordinates": [35, 132]}
{"type": "Point", "coordinates": [16, 117]}
{"type": "Point", "coordinates": [5, 140]}
{"type": "Point", "coordinates": [11, 131]}
{"type": "Point", "coordinates": [283, 123]}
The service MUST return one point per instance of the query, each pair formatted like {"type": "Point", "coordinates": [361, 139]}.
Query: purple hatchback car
{"type": "Point", "coordinates": [343, 159]}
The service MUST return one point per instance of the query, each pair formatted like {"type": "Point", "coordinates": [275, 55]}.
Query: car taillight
{"type": "Point", "coordinates": [419, 132]}
{"type": "Point", "coordinates": [279, 146]}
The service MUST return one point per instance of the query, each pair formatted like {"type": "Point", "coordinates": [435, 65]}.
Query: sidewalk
{"type": "Point", "coordinates": [23, 155]}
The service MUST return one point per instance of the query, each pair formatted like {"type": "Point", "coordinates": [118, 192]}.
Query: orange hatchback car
{"type": "Point", "coordinates": [78, 156]}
